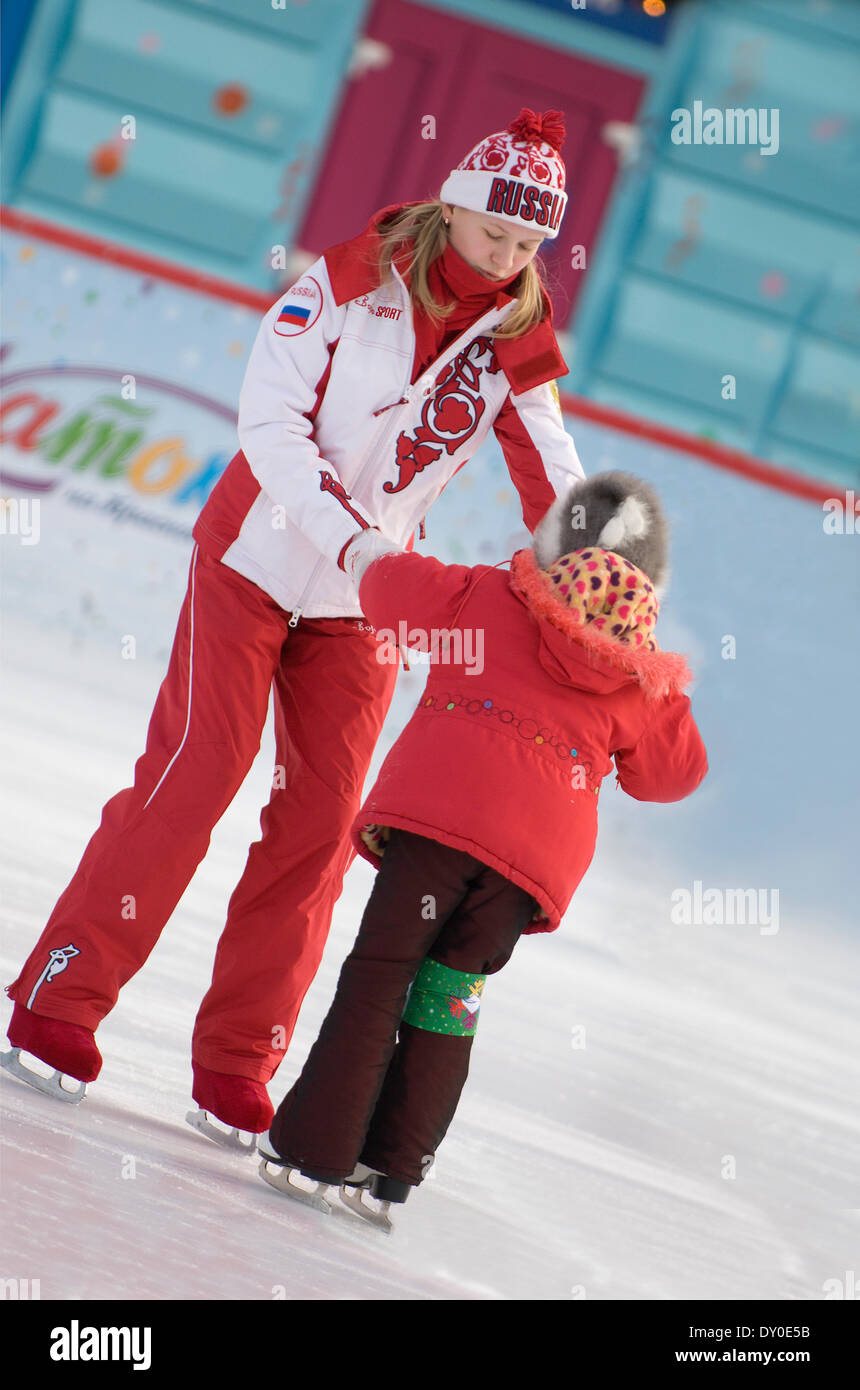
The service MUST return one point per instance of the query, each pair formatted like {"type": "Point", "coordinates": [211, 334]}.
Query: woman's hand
{"type": "Point", "coordinates": [366, 547]}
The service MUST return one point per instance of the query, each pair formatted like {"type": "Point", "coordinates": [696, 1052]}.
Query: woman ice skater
{"type": "Point", "coordinates": [483, 819]}
{"type": "Point", "coordinates": [371, 382]}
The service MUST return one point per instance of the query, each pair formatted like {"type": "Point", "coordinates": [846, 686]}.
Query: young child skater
{"type": "Point", "coordinates": [483, 818]}
{"type": "Point", "coordinates": [371, 382]}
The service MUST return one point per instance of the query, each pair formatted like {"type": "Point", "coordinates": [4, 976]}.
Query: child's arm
{"type": "Point", "coordinates": [418, 589]}
{"type": "Point", "coordinates": [669, 760]}
{"type": "Point", "coordinates": [286, 373]}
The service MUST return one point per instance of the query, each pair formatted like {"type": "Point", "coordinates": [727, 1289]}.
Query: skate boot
{"type": "Point", "coordinates": [238, 1102]}
{"type": "Point", "coordinates": [67, 1047]}
{"type": "Point", "coordinates": [278, 1173]}
{"type": "Point", "coordinates": [287, 1177]}
{"type": "Point", "coordinates": [366, 1182]}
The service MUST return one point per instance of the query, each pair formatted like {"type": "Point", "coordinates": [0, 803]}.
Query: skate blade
{"type": "Point", "coordinates": [227, 1138]}
{"type": "Point", "coordinates": [354, 1198]}
{"type": "Point", "coordinates": [48, 1085]}
{"type": "Point", "coordinates": [278, 1176]}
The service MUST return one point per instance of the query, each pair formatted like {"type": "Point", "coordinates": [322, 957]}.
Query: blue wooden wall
{"type": "Point", "coordinates": [722, 296]}
{"type": "Point", "coordinates": [720, 262]}
{"type": "Point", "coordinates": [230, 106]}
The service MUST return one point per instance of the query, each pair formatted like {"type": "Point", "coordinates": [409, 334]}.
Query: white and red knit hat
{"type": "Point", "coordinates": [516, 174]}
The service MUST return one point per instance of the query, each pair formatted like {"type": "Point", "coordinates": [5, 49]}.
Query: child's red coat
{"type": "Point", "coordinates": [506, 762]}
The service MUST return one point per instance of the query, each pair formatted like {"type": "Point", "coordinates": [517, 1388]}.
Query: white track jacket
{"type": "Point", "coordinates": [334, 438]}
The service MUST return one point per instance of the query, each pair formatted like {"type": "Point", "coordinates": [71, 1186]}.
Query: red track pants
{"type": "Point", "coordinates": [331, 698]}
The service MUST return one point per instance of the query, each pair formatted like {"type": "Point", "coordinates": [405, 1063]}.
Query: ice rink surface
{"type": "Point", "coordinates": [655, 1110]}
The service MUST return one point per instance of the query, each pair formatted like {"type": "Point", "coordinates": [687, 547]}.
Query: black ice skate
{"type": "Point", "coordinates": [362, 1182]}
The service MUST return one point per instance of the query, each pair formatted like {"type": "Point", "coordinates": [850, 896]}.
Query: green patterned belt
{"type": "Point", "coordinates": [444, 1000]}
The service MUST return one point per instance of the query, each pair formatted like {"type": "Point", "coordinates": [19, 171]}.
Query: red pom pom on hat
{"type": "Point", "coordinates": [533, 128]}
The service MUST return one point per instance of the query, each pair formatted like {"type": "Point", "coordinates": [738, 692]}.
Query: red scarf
{"type": "Point", "coordinates": [526, 361]}
{"type": "Point", "coordinates": [452, 280]}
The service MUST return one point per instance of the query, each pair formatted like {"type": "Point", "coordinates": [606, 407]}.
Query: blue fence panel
{"type": "Point", "coordinates": [191, 130]}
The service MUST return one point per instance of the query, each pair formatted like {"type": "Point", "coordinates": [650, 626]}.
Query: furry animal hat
{"type": "Point", "coordinates": [609, 511]}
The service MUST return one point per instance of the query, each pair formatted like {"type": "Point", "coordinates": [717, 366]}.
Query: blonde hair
{"type": "Point", "coordinates": [424, 225]}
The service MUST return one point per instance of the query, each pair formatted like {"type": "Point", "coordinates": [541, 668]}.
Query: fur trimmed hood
{"type": "Point", "coordinates": [616, 661]}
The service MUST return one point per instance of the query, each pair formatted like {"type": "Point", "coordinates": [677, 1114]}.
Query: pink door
{"type": "Point", "coordinates": [472, 80]}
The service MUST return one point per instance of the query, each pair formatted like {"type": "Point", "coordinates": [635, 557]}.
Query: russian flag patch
{"type": "Point", "coordinates": [294, 314]}
{"type": "Point", "coordinates": [300, 308]}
